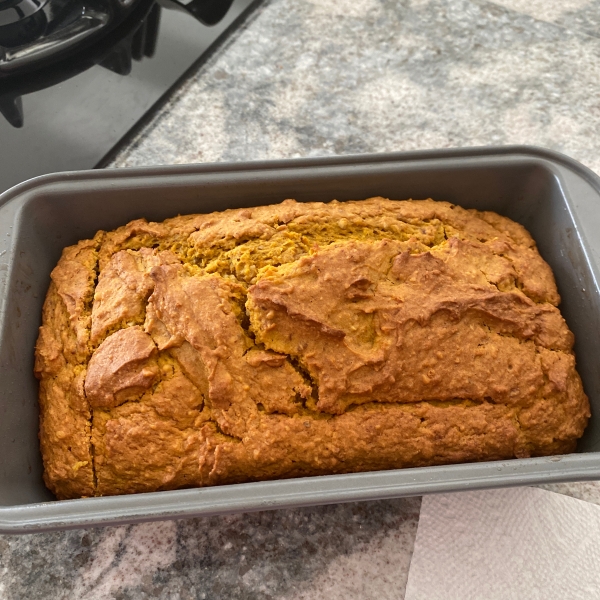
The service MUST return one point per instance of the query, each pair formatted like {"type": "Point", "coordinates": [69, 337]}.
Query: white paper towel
{"type": "Point", "coordinates": [520, 543]}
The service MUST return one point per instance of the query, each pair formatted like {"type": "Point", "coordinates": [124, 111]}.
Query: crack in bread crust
{"type": "Point", "coordinates": [301, 339]}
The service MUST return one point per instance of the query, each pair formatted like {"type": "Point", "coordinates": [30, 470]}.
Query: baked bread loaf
{"type": "Point", "coordinates": [301, 339]}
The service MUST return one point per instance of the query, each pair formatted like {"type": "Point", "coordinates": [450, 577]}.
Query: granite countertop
{"type": "Point", "coordinates": [309, 78]}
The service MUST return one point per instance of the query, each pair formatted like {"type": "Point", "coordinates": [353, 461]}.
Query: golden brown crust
{"type": "Point", "coordinates": [300, 339]}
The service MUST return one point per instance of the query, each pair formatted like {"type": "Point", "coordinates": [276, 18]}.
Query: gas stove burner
{"type": "Point", "coordinates": [45, 42]}
{"type": "Point", "coordinates": [21, 21]}
{"type": "Point", "coordinates": [34, 39]}
{"type": "Point", "coordinates": [68, 109]}
{"type": "Point", "coordinates": [135, 38]}
{"type": "Point", "coordinates": [12, 11]}
{"type": "Point", "coordinates": [35, 33]}
{"type": "Point", "coordinates": [56, 39]}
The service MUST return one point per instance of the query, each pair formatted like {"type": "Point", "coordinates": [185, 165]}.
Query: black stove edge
{"type": "Point", "coordinates": [244, 18]}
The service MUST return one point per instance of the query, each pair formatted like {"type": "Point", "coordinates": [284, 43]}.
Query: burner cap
{"type": "Point", "coordinates": [13, 11]}
{"type": "Point", "coordinates": [21, 21]}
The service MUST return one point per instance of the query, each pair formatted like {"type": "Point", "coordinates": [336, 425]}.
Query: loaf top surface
{"type": "Point", "coordinates": [306, 310]}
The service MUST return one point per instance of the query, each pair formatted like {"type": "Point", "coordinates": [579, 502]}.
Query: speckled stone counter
{"type": "Point", "coordinates": [307, 78]}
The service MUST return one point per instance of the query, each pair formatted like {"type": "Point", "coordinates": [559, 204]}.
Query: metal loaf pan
{"type": "Point", "coordinates": [555, 198]}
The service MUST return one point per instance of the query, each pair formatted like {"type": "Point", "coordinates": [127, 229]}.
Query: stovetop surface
{"type": "Point", "coordinates": [70, 114]}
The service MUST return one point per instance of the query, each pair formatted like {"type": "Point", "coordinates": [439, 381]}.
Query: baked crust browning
{"type": "Point", "coordinates": [301, 339]}
{"type": "Point", "coordinates": [62, 351]}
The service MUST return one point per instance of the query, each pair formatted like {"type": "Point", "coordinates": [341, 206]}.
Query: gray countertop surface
{"type": "Point", "coordinates": [310, 78]}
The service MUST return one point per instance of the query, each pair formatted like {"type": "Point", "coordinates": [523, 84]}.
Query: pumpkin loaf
{"type": "Point", "coordinates": [301, 339]}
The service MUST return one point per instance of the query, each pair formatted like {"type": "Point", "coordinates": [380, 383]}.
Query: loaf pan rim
{"type": "Point", "coordinates": [55, 515]}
